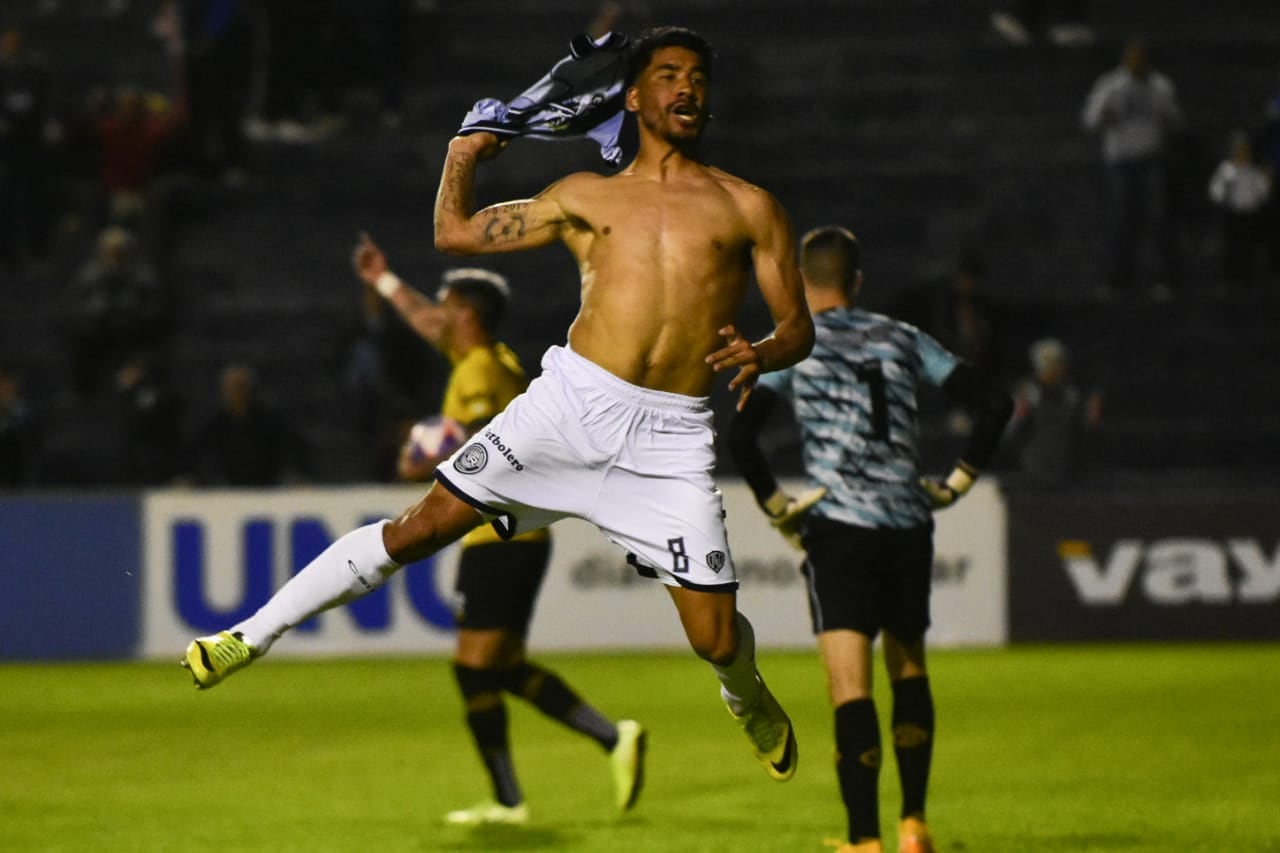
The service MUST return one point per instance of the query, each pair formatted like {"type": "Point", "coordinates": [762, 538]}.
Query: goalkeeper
{"type": "Point", "coordinates": [866, 521]}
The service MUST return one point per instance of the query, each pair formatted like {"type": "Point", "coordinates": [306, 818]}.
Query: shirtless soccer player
{"type": "Point", "coordinates": [617, 430]}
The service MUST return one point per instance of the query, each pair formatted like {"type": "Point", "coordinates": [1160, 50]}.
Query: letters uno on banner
{"type": "Point", "coordinates": [212, 558]}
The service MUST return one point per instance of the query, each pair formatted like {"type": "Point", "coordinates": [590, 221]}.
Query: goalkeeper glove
{"type": "Point", "coordinates": [943, 493]}
{"type": "Point", "coordinates": [787, 513]}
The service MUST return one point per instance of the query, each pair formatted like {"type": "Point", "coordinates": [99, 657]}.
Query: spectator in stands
{"type": "Point", "coordinates": [1022, 21]}
{"type": "Point", "coordinates": [150, 424]}
{"type": "Point", "coordinates": [1134, 108]}
{"type": "Point", "coordinates": [119, 306]}
{"type": "Point", "coordinates": [247, 442]}
{"type": "Point", "coordinates": [131, 140]}
{"type": "Point", "coordinates": [26, 130]}
{"type": "Point", "coordinates": [1052, 418]}
{"type": "Point", "coordinates": [1241, 189]}
{"type": "Point", "coordinates": [17, 432]}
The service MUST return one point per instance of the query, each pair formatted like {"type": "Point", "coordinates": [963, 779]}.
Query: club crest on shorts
{"type": "Point", "coordinates": [472, 459]}
{"type": "Point", "coordinates": [715, 561]}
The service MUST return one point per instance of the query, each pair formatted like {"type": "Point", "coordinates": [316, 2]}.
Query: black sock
{"type": "Point", "coordinates": [913, 726]}
{"type": "Point", "coordinates": [858, 766]}
{"type": "Point", "coordinates": [487, 720]}
{"type": "Point", "coordinates": [550, 695]}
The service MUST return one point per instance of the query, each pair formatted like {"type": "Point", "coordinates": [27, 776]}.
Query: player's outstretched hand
{"type": "Point", "coordinates": [787, 513]}
{"type": "Point", "coordinates": [737, 352]}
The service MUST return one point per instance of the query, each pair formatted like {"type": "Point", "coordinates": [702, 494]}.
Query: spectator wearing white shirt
{"type": "Point", "coordinates": [1241, 189]}
{"type": "Point", "coordinates": [1134, 108]}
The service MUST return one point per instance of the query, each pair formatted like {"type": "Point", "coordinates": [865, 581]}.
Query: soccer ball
{"type": "Point", "coordinates": [435, 437]}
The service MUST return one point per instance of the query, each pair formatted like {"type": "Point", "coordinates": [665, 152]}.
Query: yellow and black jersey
{"type": "Point", "coordinates": [483, 380]}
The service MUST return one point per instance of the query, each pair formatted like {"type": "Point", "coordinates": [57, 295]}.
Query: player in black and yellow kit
{"type": "Point", "coordinates": [498, 580]}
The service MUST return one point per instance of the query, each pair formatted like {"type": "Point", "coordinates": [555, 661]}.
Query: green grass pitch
{"type": "Point", "coordinates": [1074, 748]}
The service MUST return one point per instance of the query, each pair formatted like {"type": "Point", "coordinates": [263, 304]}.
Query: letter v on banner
{"type": "Point", "coordinates": [1097, 584]}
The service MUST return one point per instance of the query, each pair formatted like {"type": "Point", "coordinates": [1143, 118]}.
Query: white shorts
{"type": "Point", "coordinates": [636, 463]}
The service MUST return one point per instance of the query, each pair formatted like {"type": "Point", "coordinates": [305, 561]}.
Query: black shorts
{"type": "Point", "coordinates": [498, 583]}
{"type": "Point", "coordinates": [867, 579]}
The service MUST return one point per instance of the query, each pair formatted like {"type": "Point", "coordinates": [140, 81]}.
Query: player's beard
{"type": "Point", "coordinates": [674, 132]}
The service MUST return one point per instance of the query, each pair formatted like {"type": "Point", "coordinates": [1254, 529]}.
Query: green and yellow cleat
{"type": "Point", "coordinates": [627, 763]}
{"type": "Point", "coordinates": [211, 659]}
{"type": "Point", "coordinates": [489, 812]}
{"type": "Point", "coordinates": [773, 740]}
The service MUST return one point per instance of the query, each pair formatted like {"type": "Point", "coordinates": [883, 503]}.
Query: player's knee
{"type": "Point", "coordinates": [716, 644]}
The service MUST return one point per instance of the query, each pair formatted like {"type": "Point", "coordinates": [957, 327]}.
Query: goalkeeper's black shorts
{"type": "Point", "coordinates": [869, 579]}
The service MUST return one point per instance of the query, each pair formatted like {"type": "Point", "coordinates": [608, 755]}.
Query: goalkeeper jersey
{"type": "Point", "coordinates": [854, 400]}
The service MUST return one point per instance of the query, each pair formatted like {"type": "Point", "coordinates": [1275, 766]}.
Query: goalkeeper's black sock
{"type": "Point", "coordinates": [913, 727]}
{"type": "Point", "coordinates": [548, 692]}
{"type": "Point", "coordinates": [858, 766]}
{"type": "Point", "coordinates": [487, 720]}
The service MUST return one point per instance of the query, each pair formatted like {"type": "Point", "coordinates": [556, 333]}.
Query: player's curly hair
{"type": "Point", "coordinates": [655, 38]}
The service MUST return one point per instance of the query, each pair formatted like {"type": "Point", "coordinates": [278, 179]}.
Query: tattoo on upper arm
{"type": "Point", "coordinates": [506, 225]}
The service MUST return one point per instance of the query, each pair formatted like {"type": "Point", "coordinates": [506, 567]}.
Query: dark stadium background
{"type": "Point", "coordinates": [911, 122]}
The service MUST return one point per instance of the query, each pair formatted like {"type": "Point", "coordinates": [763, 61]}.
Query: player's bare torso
{"type": "Point", "coordinates": [664, 262]}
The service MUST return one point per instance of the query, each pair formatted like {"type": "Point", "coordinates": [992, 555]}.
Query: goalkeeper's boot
{"type": "Point", "coordinates": [772, 738]}
{"type": "Point", "coordinates": [627, 763]}
{"type": "Point", "coordinates": [913, 836]}
{"type": "Point", "coordinates": [211, 659]}
{"type": "Point", "coordinates": [489, 812]}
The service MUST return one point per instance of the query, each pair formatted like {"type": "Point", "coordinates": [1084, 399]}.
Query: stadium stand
{"type": "Point", "coordinates": [911, 122]}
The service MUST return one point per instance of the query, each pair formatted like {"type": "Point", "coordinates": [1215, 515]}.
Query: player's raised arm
{"type": "Point", "coordinates": [425, 316]}
{"type": "Point", "coordinates": [506, 227]}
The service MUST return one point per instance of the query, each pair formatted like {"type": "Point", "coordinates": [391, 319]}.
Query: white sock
{"type": "Point", "coordinates": [739, 684]}
{"type": "Point", "coordinates": [351, 567]}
